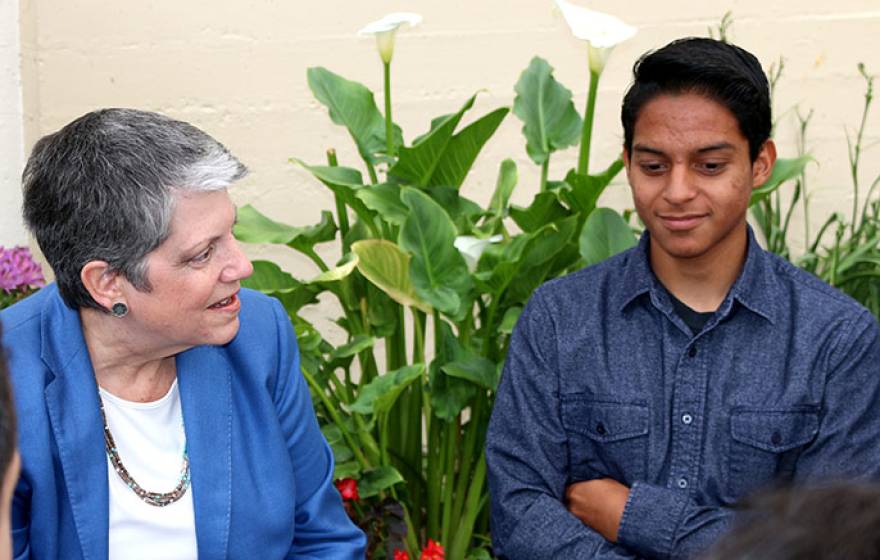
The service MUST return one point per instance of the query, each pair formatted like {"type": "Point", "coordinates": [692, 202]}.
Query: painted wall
{"type": "Point", "coordinates": [237, 69]}
{"type": "Point", "coordinates": [11, 129]}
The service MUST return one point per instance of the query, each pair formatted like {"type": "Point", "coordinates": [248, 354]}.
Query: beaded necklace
{"type": "Point", "coordinates": [153, 498]}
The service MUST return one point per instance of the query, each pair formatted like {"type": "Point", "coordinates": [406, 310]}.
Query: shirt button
{"type": "Point", "coordinates": [776, 438]}
{"type": "Point", "coordinates": [682, 483]}
{"type": "Point", "coordinates": [600, 429]}
{"type": "Point", "coordinates": [692, 352]}
{"type": "Point", "coordinates": [687, 418]}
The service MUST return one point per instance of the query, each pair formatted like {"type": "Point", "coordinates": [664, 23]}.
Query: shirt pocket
{"type": "Point", "coordinates": [765, 446]}
{"type": "Point", "coordinates": [606, 438]}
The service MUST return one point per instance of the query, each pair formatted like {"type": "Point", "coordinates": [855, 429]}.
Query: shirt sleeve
{"type": "Point", "coordinates": [322, 528]}
{"type": "Point", "coordinates": [527, 454]}
{"type": "Point", "coordinates": [660, 522]}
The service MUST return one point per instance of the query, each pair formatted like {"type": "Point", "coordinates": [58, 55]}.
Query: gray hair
{"type": "Point", "coordinates": [103, 188]}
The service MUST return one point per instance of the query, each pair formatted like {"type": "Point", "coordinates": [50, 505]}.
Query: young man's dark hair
{"type": "Point", "coordinates": [723, 72]}
{"type": "Point", "coordinates": [827, 522]}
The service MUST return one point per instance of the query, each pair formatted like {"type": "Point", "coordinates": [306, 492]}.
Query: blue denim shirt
{"type": "Point", "coordinates": [603, 379]}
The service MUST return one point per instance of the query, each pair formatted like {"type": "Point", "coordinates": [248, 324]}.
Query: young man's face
{"type": "Point", "coordinates": [691, 175]}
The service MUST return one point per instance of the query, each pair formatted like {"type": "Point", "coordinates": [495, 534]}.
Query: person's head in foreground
{"type": "Point", "coordinates": [697, 126]}
{"type": "Point", "coordinates": [831, 522]}
{"type": "Point", "coordinates": [9, 460]}
{"type": "Point", "coordinates": [165, 408]}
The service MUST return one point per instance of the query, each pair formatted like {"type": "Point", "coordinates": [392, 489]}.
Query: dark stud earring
{"type": "Point", "coordinates": [119, 309]}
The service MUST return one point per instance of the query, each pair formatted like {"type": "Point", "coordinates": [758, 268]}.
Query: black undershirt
{"type": "Point", "coordinates": [695, 320]}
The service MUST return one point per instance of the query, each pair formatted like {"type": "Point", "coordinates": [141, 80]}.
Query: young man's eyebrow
{"type": "Point", "coordinates": [641, 148]}
{"type": "Point", "coordinates": [716, 147]}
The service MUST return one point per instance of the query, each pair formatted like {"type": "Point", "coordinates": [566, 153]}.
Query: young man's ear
{"type": "Point", "coordinates": [762, 167]}
{"type": "Point", "coordinates": [102, 283]}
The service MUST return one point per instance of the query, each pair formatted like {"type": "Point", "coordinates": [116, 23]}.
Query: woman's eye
{"type": "Point", "coordinates": [204, 255]}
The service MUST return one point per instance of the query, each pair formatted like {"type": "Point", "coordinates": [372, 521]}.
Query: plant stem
{"type": "Point", "coordinates": [474, 505]}
{"type": "Point", "coordinates": [545, 167]}
{"type": "Point", "coordinates": [334, 415]}
{"type": "Point", "coordinates": [389, 124]}
{"type": "Point", "coordinates": [587, 130]}
{"type": "Point", "coordinates": [341, 210]}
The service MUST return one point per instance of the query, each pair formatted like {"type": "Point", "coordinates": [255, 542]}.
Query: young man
{"type": "Point", "coordinates": [644, 396]}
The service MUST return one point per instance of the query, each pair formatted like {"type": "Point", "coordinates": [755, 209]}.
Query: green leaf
{"type": "Point", "coordinates": [270, 279]}
{"type": "Point", "coordinates": [438, 271]}
{"type": "Point", "coordinates": [384, 200]}
{"type": "Point", "coordinates": [449, 395]}
{"type": "Point", "coordinates": [349, 263]}
{"type": "Point", "coordinates": [341, 452]}
{"type": "Point", "coordinates": [385, 265]}
{"type": "Point", "coordinates": [345, 183]}
{"type": "Point", "coordinates": [583, 191]}
{"type": "Point", "coordinates": [463, 212]}
{"type": "Point", "coordinates": [380, 394]}
{"type": "Point", "coordinates": [511, 316]}
{"type": "Point", "coordinates": [507, 179]}
{"type": "Point", "coordinates": [463, 149]}
{"type": "Point", "coordinates": [604, 235]}
{"type": "Point", "coordinates": [375, 480]}
{"type": "Point", "coordinates": [332, 433]}
{"type": "Point", "coordinates": [357, 344]}
{"type": "Point", "coordinates": [350, 469]}
{"type": "Point", "coordinates": [784, 170]}
{"type": "Point", "coordinates": [254, 227]}
{"type": "Point", "coordinates": [545, 107]}
{"type": "Point", "coordinates": [353, 106]}
{"type": "Point", "coordinates": [545, 208]}
{"type": "Point", "coordinates": [475, 369]}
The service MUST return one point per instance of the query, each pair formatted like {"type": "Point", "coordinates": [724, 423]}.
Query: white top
{"type": "Point", "coordinates": [150, 440]}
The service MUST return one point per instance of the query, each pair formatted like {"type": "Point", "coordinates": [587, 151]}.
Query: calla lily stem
{"type": "Point", "coordinates": [389, 124]}
{"type": "Point", "coordinates": [587, 130]}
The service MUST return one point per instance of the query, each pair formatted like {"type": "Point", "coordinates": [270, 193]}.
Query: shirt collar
{"type": "Point", "coordinates": [756, 287]}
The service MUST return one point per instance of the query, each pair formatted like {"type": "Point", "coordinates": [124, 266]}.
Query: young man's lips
{"type": "Point", "coordinates": [682, 223]}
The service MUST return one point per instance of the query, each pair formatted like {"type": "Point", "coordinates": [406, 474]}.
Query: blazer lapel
{"type": "Point", "coordinates": [72, 402]}
{"type": "Point", "coordinates": [204, 378]}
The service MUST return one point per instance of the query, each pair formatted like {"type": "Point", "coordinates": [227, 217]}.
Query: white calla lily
{"type": "Point", "coordinates": [472, 247]}
{"type": "Point", "coordinates": [602, 31]}
{"type": "Point", "coordinates": [386, 28]}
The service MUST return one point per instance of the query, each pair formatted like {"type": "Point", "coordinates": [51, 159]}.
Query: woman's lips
{"type": "Point", "coordinates": [230, 303]}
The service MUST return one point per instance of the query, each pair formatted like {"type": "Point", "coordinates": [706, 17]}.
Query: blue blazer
{"type": "Point", "coordinates": [262, 473]}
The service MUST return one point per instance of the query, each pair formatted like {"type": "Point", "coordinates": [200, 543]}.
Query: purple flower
{"type": "Point", "coordinates": [19, 271]}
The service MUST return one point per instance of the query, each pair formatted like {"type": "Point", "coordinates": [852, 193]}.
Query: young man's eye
{"type": "Point", "coordinates": [652, 167]}
{"type": "Point", "coordinates": [712, 167]}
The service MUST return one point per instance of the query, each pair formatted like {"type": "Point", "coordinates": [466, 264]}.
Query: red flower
{"type": "Point", "coordinates": [348, 489]}
{"type": "Point", "coordinates": [400, 554]}
{"type": "Point", "coordinates": [434, 551]}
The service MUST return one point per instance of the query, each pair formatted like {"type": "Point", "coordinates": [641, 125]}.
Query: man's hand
{"type": "Point", "coordinates": [599, 504]}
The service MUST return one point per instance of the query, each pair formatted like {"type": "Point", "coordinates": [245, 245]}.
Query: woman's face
{"type": "Point", "coordinates": [194, 275]}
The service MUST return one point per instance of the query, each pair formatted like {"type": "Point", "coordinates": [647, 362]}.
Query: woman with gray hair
{"type": "Point", "coordinates": [161, 408]}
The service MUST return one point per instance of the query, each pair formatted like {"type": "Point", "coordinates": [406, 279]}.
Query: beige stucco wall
{"type": "Point", "coordinates": [11, 129]}
{"type": "Point", "coordinates": [237, 69]}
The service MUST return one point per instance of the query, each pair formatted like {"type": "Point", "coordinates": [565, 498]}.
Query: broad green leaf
{"type": "Point", "coordinates": [462, 150]}
{"type": "Point", "coordinates": [357, 344]}
{"type": "Point", "coordinates": [544, 105]}
{"type": "Point", "coordinates": [784, 170]}
{"type": "Point", "coordinates": [584, 190]}
{"type": "Point", "coordinates": [270, 279]}
{"type": "Point", "coordinates": [438, 271]}
{"type": "Point", "coordinates": [332, 433]}
{"type": "Point", "coordinates": [511, 316]}
{"type": "Point", "coordinates": [507, 178]}
{"type": "Point", "coordinates": [254, 227]}
{"type": "Point", "coordinates": [375, 480]}
{"type": "Point", "coordinates": [337, 273]}
{"type": "Point", "coordinates": [604, 235]}
{"type": "Point", "coordinates": [463, 212]}
{"type": "Point", "coordinates": [544, 209]}
{"type": "Point", "coordinates": [385, 265]}
{"type": "Point", "coordinates": [449, 395]}
{"type": "Point", "coordinates": [384, 200]}
{"type": "Point", "coordinates": [345, 183]}
{"type": "Point", "coordinates": [475, 369]}
{"type": "Point", "coordinates": [341, 452]}
{"type": "Point", "coordinates": [353, 106]}
{"type": "Point", "coordinates": [349, 469]}
{"type": "Point", "coordinates": [417, 164]}
{"type": "Point", "coordinates": [379, 395]}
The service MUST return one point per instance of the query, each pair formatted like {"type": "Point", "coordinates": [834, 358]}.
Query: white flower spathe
{"type": "Point", "coordinates": [602, 31]}
{"type": "Point", "coordinates": [472, 247]}
{"type": "Point", "coordinates": [386, 28]}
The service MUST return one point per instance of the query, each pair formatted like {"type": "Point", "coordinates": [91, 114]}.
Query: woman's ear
{"type": "Point", "coordinates": [762, 167]}
{"type": "Point", "coordinates": [102, 283]}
